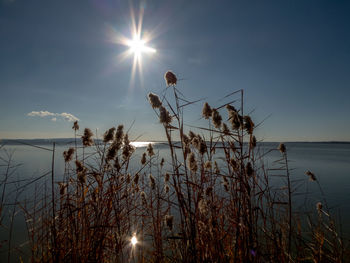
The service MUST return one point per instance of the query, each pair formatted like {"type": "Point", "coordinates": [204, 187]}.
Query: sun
{"type": "Point", "coordinates": [137, 45]}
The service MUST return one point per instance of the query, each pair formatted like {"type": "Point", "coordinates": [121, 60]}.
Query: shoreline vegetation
{"type": "Point", "coordinates": [211, 200]}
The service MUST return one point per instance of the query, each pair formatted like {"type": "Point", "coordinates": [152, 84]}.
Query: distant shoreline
{"type": "Point", "coordinates": [72, 140]}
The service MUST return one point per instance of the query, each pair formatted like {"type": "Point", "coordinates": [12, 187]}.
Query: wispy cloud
{"type": "Point", "coordinates": [64, 115]}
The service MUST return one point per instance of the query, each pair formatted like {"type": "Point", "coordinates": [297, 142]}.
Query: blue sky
{"type": "Point", "coordinates": [290, 57]}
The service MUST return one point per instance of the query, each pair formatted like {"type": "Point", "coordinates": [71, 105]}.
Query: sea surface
{"type": "Point", "coordinates": [32, 159]}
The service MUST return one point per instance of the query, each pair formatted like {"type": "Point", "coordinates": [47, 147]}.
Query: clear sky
{"type": "Point", "coordinates": [292, 58]}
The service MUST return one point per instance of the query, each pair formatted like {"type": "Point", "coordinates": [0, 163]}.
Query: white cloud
{"type": "Point", "coordinates": [41, 113]}
{"type": "Point", "coordinates": [68, 116]}
{"type": "Point", "coordinates": [64, 115]}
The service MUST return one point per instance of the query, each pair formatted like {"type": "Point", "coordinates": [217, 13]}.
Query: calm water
{"type": "Point", "coordinates": [329, 161]}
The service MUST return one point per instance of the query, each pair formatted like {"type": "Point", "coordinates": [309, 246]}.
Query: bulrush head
{"type": "Point", "coordinates": [248, 125]}
{"type": "Point", "coordinates": [68, 155]}
{"type": "Point", "coordinates": [249, 169]}
{"type": "Point", "coordinates": [311, 176]}
{"type": "Point", "coordinates": [112, 152]}
{"type": "Point", "coordinates": [170, 78]}
{"type": "Point", "coordinates": [282, 148]}
{"type": "Point", "coordinates": [236, 120]}
{"type": "Point", "coordinates": [166, 188]}
{"type": "Point", "coordinates": [128, 149]}
{"type": "Point", "coordinates": [252, 142]}
{"type": "Point", "coordinates": [154, 100]}
{"type": "Point", "coordinates": [143, 159]}
{"type": "Point", "coordinates": [164, 116]}
{"type": "Point", "coordinates": [87, 137]}
{"type": "Point", "coordinates": [206, 112]}
{"type": "Point", "coordinates": [216, 118]}
{"type": "Point", "coordinates": [152, 182]}
{"type": "Point", "coordinates": [136, 178]}
{"type": "Point", "coordinates": [81, 170]}
{"type": "Point", "coordinates": [119, 134]}
{"type": "Point", "coordinates": [75, 126]}
{"type": "Point", "coordinates": [166, 177]}
{"type": "Point", "coordinates": [185, 139]}
{"type": "Point", "coordinates": [192, 163]}
{"type": "Point", "coordinates": [150, 150]}
{"type": "Point", "coordinates": [109, 135]}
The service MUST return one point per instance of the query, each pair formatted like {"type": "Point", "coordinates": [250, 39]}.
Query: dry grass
{"type": "Point", "coordinates": [211, 200]}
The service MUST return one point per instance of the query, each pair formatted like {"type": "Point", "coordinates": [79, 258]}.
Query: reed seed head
{"type": "Point", "coordinates": [230, 108]}
{"type": "Point", "coordinates": [150, 150]}
{"type": "Point", "coordinates": [186, 141]}
{"type": "Point", "coordinates": [87, 137]}
{"type": "Point", "coordinates": [282, 148]}
{"type": "Point", "coordinates": [119, 134]}
{"type": "Point", "coordinates": [112, 152]}
{"type": "Point", "coordinates": [236, 120]}
{"type": "Point", "coordinates": [311, 175]}
{"type": "Point", "coordinates": [319, 206]}
{"type": "Point", "coordinates": [166, 188]}
{"type": "Point", "coordinates": [152, 182]}
{"type": "Point", "coordinates": [216, 118]}
{"type": "Point", "coordinates": [170, 78]}
{"type": "Point", "coordinates": [252, 142]}
{"type": "Point", "coordinates": [75, 126]}
{"type": "Point", "coordinates": [162, 162]}
{"type": "Point", "coordinates": [143, 159]}
{"type": "Point", "coordinates": [192, 163]}
{"type": "Point", "coordinates": [143, 197]}
{"type": "Point", "coordinates": [154, 100]}
{"type": "Point", "coordinates": [164, 116]}
{"type": "Point", "coordinates": [248, 124]}
{"type": "Point", "coordinates": [136, 179]}
{"type": "Point", "coordinates": [68, 155]}
{"type": "Point", "coordinates": [206, 112]}
{"type": "Point", "coordinates": [166, 177]}
{"type": "Point", "coordinates": [109, 135]}
{"type": "Point", "coordinates": [249, 169]}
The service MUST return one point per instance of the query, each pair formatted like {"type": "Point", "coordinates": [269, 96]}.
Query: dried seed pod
{"type": "Point", "coordinates": [282, 148]}
{"type": "Point", "coordinates": [154, 100]}
{"type": "Point", "coordinates": [216, 118]}
{"type": "Point", "coordinates": [311, 176]}
{"type": "Point", "coordinates": [68, 155]}
{"type": "Point", "coordinates": [109, 135]}
{"type": "Point", "coordinates": [75, 126]}
{"type": "Point", "coordinates": [206, 112]}
{"type": "Point", "coordinates": [87, 137]}
{"type": "Point", "coordinates": [170, 78]}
